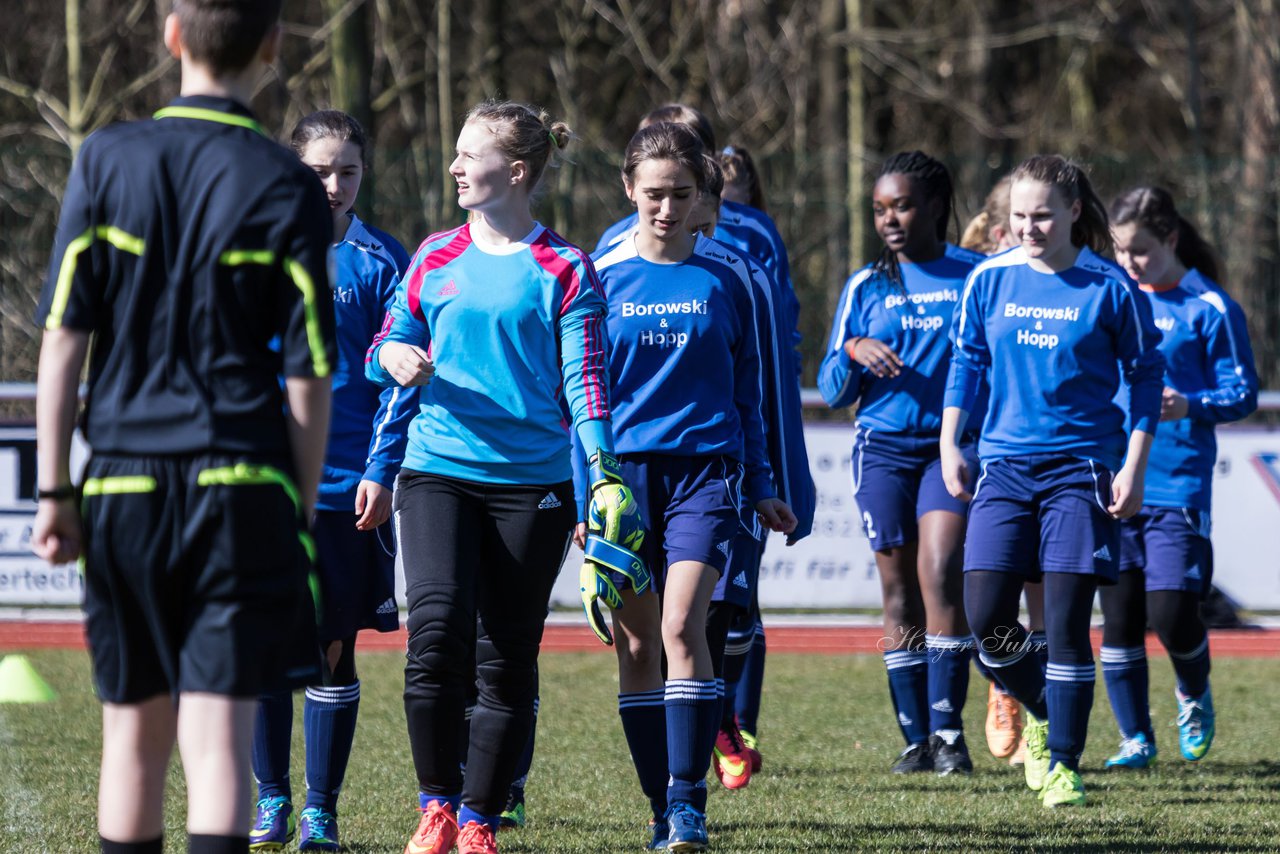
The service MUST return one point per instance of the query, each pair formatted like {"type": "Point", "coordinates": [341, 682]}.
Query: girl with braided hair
{"type": "Point", "coordinates": [889, 353]}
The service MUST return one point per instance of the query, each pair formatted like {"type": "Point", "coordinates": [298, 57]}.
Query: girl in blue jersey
{"type": "Point", "coordinates": [1053, 329]}
{"type": "Point", "coordinates": [889, 352]}
{"type": "Point", "coordinates": [1166, 558]}
{"type": "Point", "coordinates": [685, 372]}
{"type": "Point", "coordinates": [355, 555]}
{"type": "Point", "coordinates": [989, 234]}
{"type": "Point", "coordinates": [746, 646]}
{"type": "Point", "coordinates": [499, 321]}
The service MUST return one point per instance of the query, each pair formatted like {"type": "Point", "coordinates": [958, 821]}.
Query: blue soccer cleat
{"type": "Point", "coordinates": [275, 826]}
{"type": "Point", "coordinates": [1195, 725]}
{"type": "Point", "coordinates": [661, 832]}
{"type": "Point", "coordinates": [317, 830]}
{"type": "Point", "coordinates": [1136, 752]}
{"type": "Point", "coordinates": [688, 828]}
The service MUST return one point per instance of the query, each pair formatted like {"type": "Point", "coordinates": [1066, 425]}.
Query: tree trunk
{"type": "Point", "coordinates": [1254, 270]}
{"type": "Point", "coordinates": [444, 86]}
{"type": "Point", "coordinates": [350, 73]}
{"type": "Point", "coordinates": [857, 152]}
{"type": "Point", "coordinates": [75, 95]}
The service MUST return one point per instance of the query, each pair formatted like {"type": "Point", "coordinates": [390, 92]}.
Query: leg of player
{"type": "Point", "coordinates": [137, 741]}
{"type": "Point", "coordinates": [276, 824]}
{"type": "Point", "coordinates": [1175, 615]}
{"type": "Point", "coordinates": [637, 632]}
{"type": "Point", "coordinates": [1124, 665]}
{"type": "Point", "coordinates": [692, 703]}
{"type": "Point", "coordinates": [905, 657]}
{"type": "Point", "coordinates": [750, 688]}
{"type": "Point", "coordinates": [1033, 594]}
{"type": "Point", "coordinates": [214, 736]}
{"type": "Point", "coordinates": [1069, 683]}
{"type": "Point", "coordinates": [991, 607]}
{"type": "Point", "coordinates": [949, 642]}
{"type": "Point", "coordinates": [329, 715]}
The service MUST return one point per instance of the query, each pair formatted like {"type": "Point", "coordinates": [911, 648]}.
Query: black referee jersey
{"type": "Point", "coordinates": [186, 244]}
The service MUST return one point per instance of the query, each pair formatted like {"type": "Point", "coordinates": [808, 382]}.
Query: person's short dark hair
{"type": "Point", "coordinates": [329, 124]}
{"type": "Point", "coordinates": [225, 35]}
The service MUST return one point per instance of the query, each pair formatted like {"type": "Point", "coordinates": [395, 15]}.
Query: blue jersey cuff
{"type": "Point", "coordinates": [596, 435]}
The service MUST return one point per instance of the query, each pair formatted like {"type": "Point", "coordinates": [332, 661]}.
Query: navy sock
{"type": "Point", "coordinates": [737, 650]}
{"type": "Point", "coordinates": [1069, 690]}
{"type": "Point", "coordinates": [1192, 669]}
{"type": "Point", "coordinates": [207, 844]}
{"type": "Point", "coordinates": [151, 846]}
{"type": "Point", "coordinates": [984, 671]}
{"type": "Point", "coordinates": [1125, 671]}
{"type": "Point", "coordinates": [1019, 674]}
{"type": "Point", "coordinates": [692, 707]}
{"type": "Point", "coordinates": [272, 738]}
{"type": "Point", "coordinates": [468, 815]}
{"type": "Point", "coordinates": [948, 679]}
{"type": "Point", "coordinates": [909, 688]}
{"type": "Point", "coordinates": [747, 696]}
{"type": "Point", "coordinates": [1039, 643]}
{"type": "Point", "coordinates": [644, 723]}
{"type": "Point", "coordinates": [329, 728]}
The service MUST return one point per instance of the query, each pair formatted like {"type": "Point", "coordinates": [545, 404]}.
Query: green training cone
{"type": "Point", "coordinates": [19, 682]}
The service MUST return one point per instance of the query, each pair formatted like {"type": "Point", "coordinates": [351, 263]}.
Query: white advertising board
{"type": "Point", "coordinates": [832, 568]}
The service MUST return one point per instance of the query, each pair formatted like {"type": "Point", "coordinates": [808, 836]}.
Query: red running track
{"type": "Point", "coordinates": [817, 640]}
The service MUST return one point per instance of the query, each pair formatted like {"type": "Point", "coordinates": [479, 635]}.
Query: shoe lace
{"type": "Point", "coordinates": [1037, 737]}
{"type": "Point", "coordinates": [1131, 747]}
{"type": "Point", "coordinates": [434, 818]}
{"type": "Point", "coordinates": [682, 815]}
{"type": "Point", "coordinates": [477, 838]}
{"type": "Point", "coordinates": [269, 808]}
{"type": "Point", "coordinates": [1189, 716]}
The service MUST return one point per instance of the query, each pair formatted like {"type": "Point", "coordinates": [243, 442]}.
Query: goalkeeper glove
{"type": "Point", "coordinates": [615, 533]}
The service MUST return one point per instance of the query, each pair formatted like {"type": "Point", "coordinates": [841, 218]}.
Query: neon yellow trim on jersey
{"type": "Point", "coordinates": [120, 485]}
{"type": "Point", "coordinates": [117, 237]}
{"type": "Point", "coordinates": [238, 257]}
{"type": "Point", "coordinates": [246, 474]}
{"type": "Point", "coordinates": [121, 239]}
{"type": "Point", "coordinates": [315, 338]}
{"type": "Point", "coordinates": [209, 116]}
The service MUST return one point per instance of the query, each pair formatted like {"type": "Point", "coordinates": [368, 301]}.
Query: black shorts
{"type": "Point", "coordinates": [357, 576]}
{"type": "Point", "coordinates": [197, 578]}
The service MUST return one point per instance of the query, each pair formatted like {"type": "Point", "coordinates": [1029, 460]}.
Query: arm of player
{"type": "Point", "coordinates": [1235, 394]}
{"type": "Point", "coordinates": [400, 352]}
{"type": "Point", "coordinates": [955, 471]}
{"type": "Point", "coordinates": [308, 422]}
{"type": "Point", "coordinates": [1128, 485]}
{"type": "Point", "coordinates": [839, 376]}
{"type": "Point", "coordinates": [55, 535]}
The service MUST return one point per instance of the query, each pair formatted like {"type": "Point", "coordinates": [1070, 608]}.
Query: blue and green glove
{"type": "Point", "coordinates": [615, 534]}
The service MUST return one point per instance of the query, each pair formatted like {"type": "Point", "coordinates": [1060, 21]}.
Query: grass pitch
{"type": "Point", "coordinates": [828, 737]}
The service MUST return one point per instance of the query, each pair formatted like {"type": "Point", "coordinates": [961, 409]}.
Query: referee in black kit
{"type": "Point", "coordinates": [186, 243]}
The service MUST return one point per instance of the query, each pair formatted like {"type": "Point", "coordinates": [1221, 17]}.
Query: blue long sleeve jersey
{"type": "Point", "coordinates": [1053, 348]}
{"type": "Point", "coordinates": [368, 427]}
{"type": "Point", "coordinates": [510, 329]}
{"type": "Point", "coordinates": [752, 231]}
{"type": "Point", "coordinates": [684, 357]}
{"type": "Point", "coordinates": [1209, 360]}
{"type": "Point", "coordinates": [915, 320]}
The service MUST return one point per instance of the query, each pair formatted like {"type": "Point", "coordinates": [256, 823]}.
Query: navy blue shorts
{"type": "Point", "coordinates": [1171, 545]}
{"type": "Point", "coordinates": [897, 478]}
{"type": "Point", "coordinates": [1043, 513]}
{"type": "Point", "coordinates": [737, 584]}
{"type": "Point", "coordinates": [357, 576]}
{"type": "Point", "coordinates": [690, 505]}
